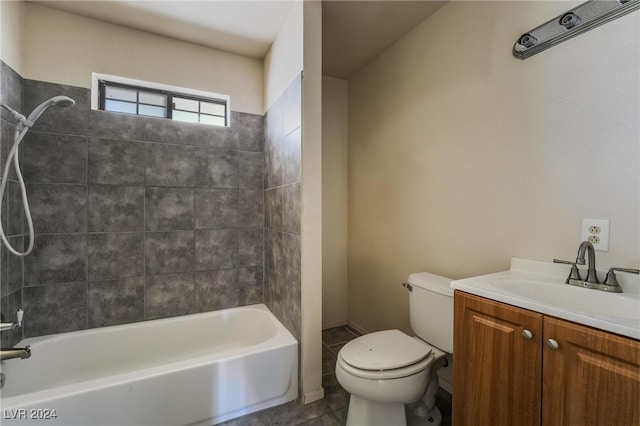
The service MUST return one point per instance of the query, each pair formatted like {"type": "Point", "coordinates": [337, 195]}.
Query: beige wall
{"type": "Point", "coordinates": [461, 156]}
{"type": "Point", "coordinates": [65, 48]}
{"type": "Point", "coordinates": [334, 201]}
{"type": "Point", "coordinates": [11, 13]}
{"type": "Point", "coordinates": [298, 48]}
{"type": "Point", "coordinates": [311, 217]}
{"type": "Point", "coordinates": [284, 60]}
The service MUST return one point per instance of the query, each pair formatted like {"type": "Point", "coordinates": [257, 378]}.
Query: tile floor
{"type": "Point", "coordinates": [332, 410]}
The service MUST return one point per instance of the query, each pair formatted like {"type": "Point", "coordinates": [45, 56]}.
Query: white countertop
{"type": "Point", "coordinates": [540, 287]}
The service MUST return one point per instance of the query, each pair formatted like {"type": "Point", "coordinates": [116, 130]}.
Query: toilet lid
{"type": "Point", "coordinates": [384, 350]}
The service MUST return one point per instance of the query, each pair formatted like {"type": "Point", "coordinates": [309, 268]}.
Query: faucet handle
{"type": "Point", "coordinates": [574, 274]}
{"type": "Point", "coordinates": [611, 279]}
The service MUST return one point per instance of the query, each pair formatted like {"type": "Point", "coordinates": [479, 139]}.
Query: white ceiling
{"type": "Point", "coordinates": [354, 31]}
{"type": "Point", "coordinates": [245, 27]}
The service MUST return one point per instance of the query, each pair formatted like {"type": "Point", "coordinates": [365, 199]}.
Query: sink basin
{"type": "Point", "coordinates": [540, 286]}
{"type": "Point", "coordinates": [622, 307]}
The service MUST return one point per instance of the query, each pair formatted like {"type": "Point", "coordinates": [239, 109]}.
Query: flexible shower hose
{"type": "Point", "coordinates": [22, 127]}
{"type": "Point", "coordinates": [13, 156]}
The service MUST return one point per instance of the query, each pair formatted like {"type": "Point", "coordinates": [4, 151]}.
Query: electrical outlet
{"type": "Point", "coordinates": [596, 231]}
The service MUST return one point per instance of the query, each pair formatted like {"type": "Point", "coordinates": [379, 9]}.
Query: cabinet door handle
{"type": "Point", "coordinates": [527, 334]}
{"type": "Point", "coordinates": [552, 344]}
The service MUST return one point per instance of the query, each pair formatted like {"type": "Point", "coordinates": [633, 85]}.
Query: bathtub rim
{"type": "Point", "coordinates": [149, 323]}
{"type": "Point", "coordinates": [281, 339]}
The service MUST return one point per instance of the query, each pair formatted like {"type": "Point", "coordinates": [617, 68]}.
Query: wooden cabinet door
{"type": "Point", "coordinates": [592, 378]}
{"type": "Point", "coordinates": [497, 371]}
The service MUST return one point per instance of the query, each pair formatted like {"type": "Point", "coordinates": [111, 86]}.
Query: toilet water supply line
{"type": "Point", "coordinates": [23, 126]}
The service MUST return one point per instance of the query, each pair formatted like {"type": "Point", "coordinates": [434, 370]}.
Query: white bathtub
{"type": "Point", "coordinates": [198, 369]}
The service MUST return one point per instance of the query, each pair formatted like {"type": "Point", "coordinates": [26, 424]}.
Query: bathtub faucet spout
{"type": "Point", "coordinates": [22, 353]}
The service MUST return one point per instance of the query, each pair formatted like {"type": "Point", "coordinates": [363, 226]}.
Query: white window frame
{"type": "Point", "coordinates": [97, 77]}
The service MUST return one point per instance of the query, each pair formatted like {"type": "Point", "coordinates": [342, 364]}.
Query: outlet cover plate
{"type": "Point", "coordinates": [597, 232]}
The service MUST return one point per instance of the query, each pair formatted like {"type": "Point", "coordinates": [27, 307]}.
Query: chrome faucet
{"type": "Point", "coordinates": [10, 353]}
{"type": "Point", "coordinates": [592, 276]}
{"type": "Point", "coordinates": [610, 283]}
{"type": "Point", "coordinates": [11, 325]}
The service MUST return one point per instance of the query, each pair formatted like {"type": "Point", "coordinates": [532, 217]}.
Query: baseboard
{"type": "Point", "coordinates": [314, 396]}
{"type": "Point", "coordinates": [446, 386]}
{"type": "Point", "coordinates": [357, 327]}
{"type": "Point", "coordinates": [332, 324]}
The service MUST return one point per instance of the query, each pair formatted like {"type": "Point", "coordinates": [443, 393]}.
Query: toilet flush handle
{"type": "Point", "coordinates": [407, 286]}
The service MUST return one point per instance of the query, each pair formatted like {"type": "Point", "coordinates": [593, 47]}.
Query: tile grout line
{"type": "Point", "coordinates": [86, 244]}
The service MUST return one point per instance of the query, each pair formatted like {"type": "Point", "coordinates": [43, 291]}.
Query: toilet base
{"type": "Point", "coordinates": [425, 411]}
{"type": "Point", "coordinates": [432, 417]}
{"type": "Point", "coordinates": [374, 413]}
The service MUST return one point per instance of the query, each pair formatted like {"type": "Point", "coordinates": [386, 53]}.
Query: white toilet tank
{"type": "Point", "coordinates": [431, 309]}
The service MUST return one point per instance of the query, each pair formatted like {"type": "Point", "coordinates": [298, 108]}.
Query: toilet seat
{"type": "Point", "coordinates": [388, 354]}
{"type": "Point", "coordinates": [386, 374]}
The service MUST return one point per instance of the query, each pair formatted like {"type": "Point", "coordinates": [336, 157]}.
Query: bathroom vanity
{"type": "Point", "coordinates": [530, 361]}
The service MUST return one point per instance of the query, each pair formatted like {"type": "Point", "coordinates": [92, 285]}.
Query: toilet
{"type": "Point", "coordinates": [385, 370]}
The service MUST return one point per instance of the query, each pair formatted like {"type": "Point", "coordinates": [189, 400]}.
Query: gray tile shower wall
{"type": "Point", "coordinates": [11, 213]}
{"type": "Point", "coordinates": [138, 218]}
{"type": "Point", "coordinates": [283, 181]}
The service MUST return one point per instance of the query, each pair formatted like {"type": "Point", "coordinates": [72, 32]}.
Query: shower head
{"type": "Point", "coordinates": [59, 101]}
{"type": "Point", "coordinates": [62, 101]}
